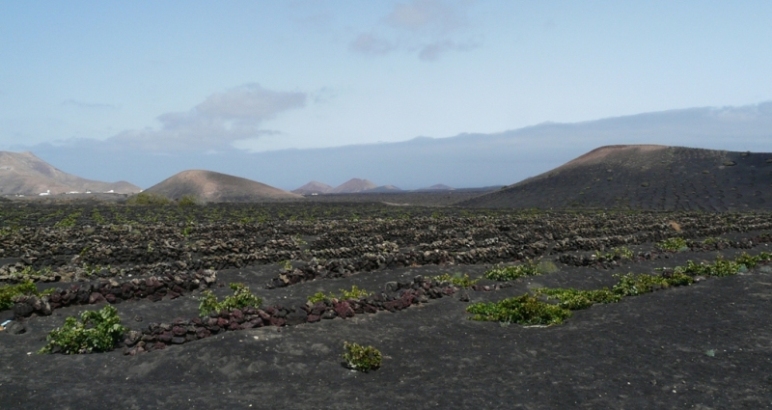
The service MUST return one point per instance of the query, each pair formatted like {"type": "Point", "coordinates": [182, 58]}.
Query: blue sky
{"type": "Point", "coordinates": [168, 77]}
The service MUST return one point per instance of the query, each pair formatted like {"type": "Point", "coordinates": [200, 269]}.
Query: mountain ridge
{"type": "Point", "coordinates": [654, 177]}
{"type": "Point", "coordinates": [23, 173]}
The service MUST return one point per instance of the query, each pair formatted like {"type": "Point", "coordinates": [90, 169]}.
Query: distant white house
{"type": "Point", "coordinates": [48, 192]}
{"type": "Point", "coordinates": [112, 191]}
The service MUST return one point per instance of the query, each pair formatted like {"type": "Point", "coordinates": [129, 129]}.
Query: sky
{"type": "Point", "coordinates": [170, 78]}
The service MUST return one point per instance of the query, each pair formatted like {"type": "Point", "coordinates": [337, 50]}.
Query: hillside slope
{"type": "Point", "coordinates": [22, 173]}
{"type": "Point", "coordinates": [209, 186]}
{"type": "Point", "coordinates": [353, 185]}
{"type": "Point", "coordinates": [646, 177]}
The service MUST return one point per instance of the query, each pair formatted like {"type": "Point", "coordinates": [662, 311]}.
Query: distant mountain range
{"type": "Point", "coordinates": [646, 177]}
{"type": "Point", "coordinates": [465, 160]}
{"type": "Point", "coordinates": [357, 185]}
{"type": "Point", "coordinates": [22, 173]}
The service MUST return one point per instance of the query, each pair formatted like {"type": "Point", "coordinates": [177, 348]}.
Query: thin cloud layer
{"type": "Point", "coordinates": [431, 15]}
{"type": "Point", "coordinates": [367, 43]}
{"type": "Point", "coordinates": [428, 27]}
{"type": "Point", "coordinates": [88, 105]}
{"type": "Point", "coordinates": [214, 124]}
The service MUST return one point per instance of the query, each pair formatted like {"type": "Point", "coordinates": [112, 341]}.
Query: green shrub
{"type": "Point", "coordinates": [525, 310]}
{"type": "Point", "coordinates": [241, 298]}
{"type": "Point", "coordinates": [69, 221]}
{"type": "Point", "coordinates": [504, 273]}
{"type": "Point", "coordinates": [721, 267]}
{"type": "Point", "coordinates": [456, 280]}
{"type": "Point", "coordinates": [632, 285]}
{"type": "Point", "coordinates": [574, 299]}
{"type": "Point", "coordinates": [147, 198]}
{"type": "Point", "coordinates": [320, 297]}
{"type": "Point", "coordinates": [187, 200]}
{"type": "Point", "coordinates": [354, 293]}
{"type": "Point", "coordinates": [546, 267]}
{"type": "Point", "coordinates": [361, 358]}
{"type": "Point", "coordinates": [96, 331]}
{"type": "Point", "coordinates": [27, 287]}
{"type": "Point", "coordinates": [673, 245]}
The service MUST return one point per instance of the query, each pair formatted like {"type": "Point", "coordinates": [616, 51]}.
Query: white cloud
{"type": "Point", "coordinates": [428, 27]}
{"type": "Point", "coordinates": [217, 122]}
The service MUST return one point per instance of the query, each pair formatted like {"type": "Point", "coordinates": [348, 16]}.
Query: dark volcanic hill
{"type": "Point", "coordinates": [313, 187]}
{"type": "Point", "coordinates": [209, 186]}
{"type": "Point", "coordinates": [437, 187]}
{"type": "Point", "coordinates": [384, 188]}
{"type": "Point", "coordinates": [353, 185]}
{"type": "Point", "coordinates": [22, 173]}
{"type": "Point", "coordinates": [646, 177]}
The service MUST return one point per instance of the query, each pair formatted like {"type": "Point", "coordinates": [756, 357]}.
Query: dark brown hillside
{"type": "Point", "coordinates": [646, 177]}
{"type": "Point", "coordinates": [208, 186]}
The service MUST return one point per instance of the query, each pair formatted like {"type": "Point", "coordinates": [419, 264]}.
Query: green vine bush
{"type": "Point", "coordinates": [504, 273]}
{"type": "Point", "coordinates": [528, 309]}
{"type": "Point", "coordinates": [187, 200]}
{"type": "Point", "coordinates": [525, 310]}
{"type": "Point", "coordinates": [619, 253]}
{"type": "Point", "coordinates": [353, 294]}
{"type": "Point", "coordinates": [574, 299]}
{"type": "Point", "coordinates": [673, 245]}
{"type": "Point", "coordinates": [361, 358]}
{"type": "Point", "coordinates": [147, 198]}
{"type": "Point", "coordinates": [9, 292]}
{"type": "Point", "coordinates": [96, 331]}
{"type": "Point", "coordinates": [456, 280]}
{"type": "Point", "coordinates": [242, 298]}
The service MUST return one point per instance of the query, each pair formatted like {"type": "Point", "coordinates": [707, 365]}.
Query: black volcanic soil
{"type": "Point", "coordinates": [404, 198]}
{"type": "Point", "coordinates": [706, 346]}
{"type": "Point", "coordinates": [646, 177]}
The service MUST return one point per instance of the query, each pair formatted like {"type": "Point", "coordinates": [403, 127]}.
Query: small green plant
{"type": "Point", "coordinates": [633, 285]}
{"type": "Point", "coordinates": [711, 240]}
{"type": "Point", "coordinates": [504, 273]}
{"type": "Point", "coordinates": [456, 280]}
{"type": "Point", "coordinates": [354, 293]}
{"type": "Point", "coordinates": [721, 267]}
{"type": "Point", "coordinates": [147, 198]}
{"type": "Point", "coordinates": [242, 298]}
{"type": "Point", "coordinates": [574, 299]}
{"type": "Point", "coordinates": [69, 221]}
{"type": "Point", "coordinates": [28, 273]}
{"type": "Point", "coordinates": [286, 266]}
{"type": "Point", "coordinates": [525, 310]}
{"type": "Point", "coordinates": [361, 358]}
{"type": "Point", "coordinates": [96, 331]}
{"type": "Point", "coordinates": [98, 218]}
{"type": "Point", "coordinates": [27, 287]}
{"type": "Point", "coordinates": [675, 244]}
{"type": "Point", "coordinates": [187, 200]}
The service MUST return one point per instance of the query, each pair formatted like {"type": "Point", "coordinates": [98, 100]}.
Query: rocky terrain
{"type": "Point", "coordinates": [646, 177]}
{"type": "Point", "coordinates": [704, 346]}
